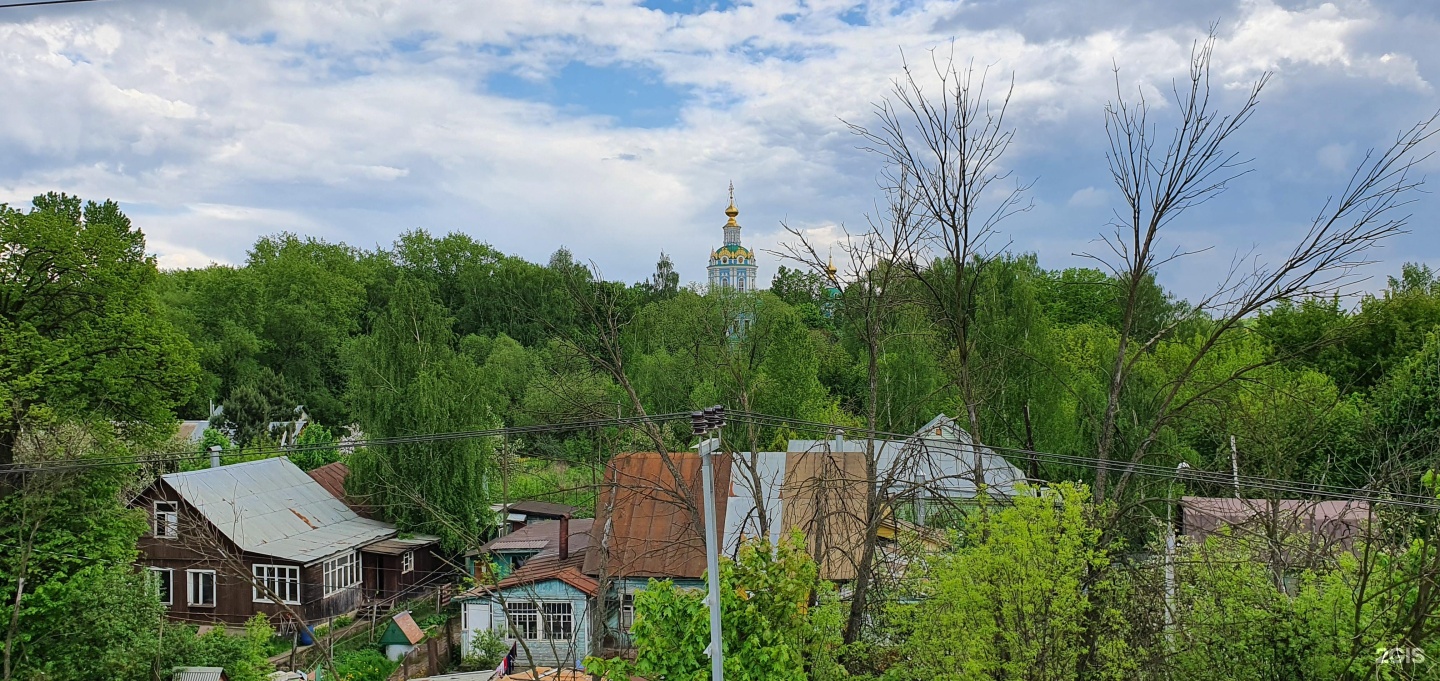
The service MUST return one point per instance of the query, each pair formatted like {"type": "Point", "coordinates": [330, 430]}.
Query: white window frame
{"type": "Point", "coordinates": [166, 523]}
{"type": "Point", "coordinates": [550, 612]}
{"type": "Point", "coordinates": [341, 572]}
{"type": "Point", "coordinates": [280, 579]}
{"type": "Point", "coordinates": [407, 562]}
{"type": "Point", "coordinates": [167, 596]}
{"type": "Point", "coordinates": [627, 612]}
{"type": "Point", "coordinates": [531, 615]}
{"type": "Point", "coordinates": [194, 577]}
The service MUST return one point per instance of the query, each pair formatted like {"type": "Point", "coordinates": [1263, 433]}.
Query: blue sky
{"type": "Point", "coordinates": [612, 127]}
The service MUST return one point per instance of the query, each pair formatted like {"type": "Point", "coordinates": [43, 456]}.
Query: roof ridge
{"type": "Point", "coordinates": [172, 476]}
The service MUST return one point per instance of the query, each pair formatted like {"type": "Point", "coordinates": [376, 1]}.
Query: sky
{"type": "Point", "coordinates": [613, 127]}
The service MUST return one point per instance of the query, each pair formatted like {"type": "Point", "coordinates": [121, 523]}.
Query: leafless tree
{"type": "Point", "coordinates": [942, 161]}
{"type": "Point", "coordinates": [1160, 179]}
{"type": "Point", "coordinates": [867, 298]}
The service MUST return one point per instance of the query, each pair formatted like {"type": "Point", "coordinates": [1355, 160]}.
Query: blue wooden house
{"type": "Point", "coordinates": [642, 531]}
{"type": "Point", "coordinates": [544, 603]}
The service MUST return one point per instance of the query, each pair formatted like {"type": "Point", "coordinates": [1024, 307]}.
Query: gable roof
{"type": "Point", "coordinates": [650, 532]}
{"type": "Point", "coordinates": [542, 568]}
{"type": "Point", "coordinates": [543, 537]}
{"type": "Point", "coordinates": [402, 631]}
{"type": "Point", "coordinates": [272, 508]}
{"type": "Point", "coordinates": [332, 477]}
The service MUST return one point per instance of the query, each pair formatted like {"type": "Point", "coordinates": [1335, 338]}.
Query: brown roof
{"type": "Point", "coordinates": [407, 626]}
{"type": "Point", "coordinates": [544, 537]}
{"type": "Point", "coordinates": [1331, 521]}
{"type": "Point", "coordinates": [332, 477]}
{"type": "Point", "coordinates": [546, 566]}
{"type": "Point", "coordinates": [542, 509]}
{"type": "Point", "coordinates": [651, 532]}
{"type": "Point", "coordinates": [824, 497]}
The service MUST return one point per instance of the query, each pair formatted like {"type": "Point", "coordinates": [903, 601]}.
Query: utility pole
{"type": "Point", "coordinates": [1235, 466]}
{"type": "Point", "coordinates": [1170, 555]}
{"type": "Point", "coordinates": [703, 423]}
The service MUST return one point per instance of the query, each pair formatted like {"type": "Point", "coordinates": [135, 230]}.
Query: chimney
{"type": "Point", "coordinates": [214, 456]}
{"type": "Point", "coordinates": [564, 536]}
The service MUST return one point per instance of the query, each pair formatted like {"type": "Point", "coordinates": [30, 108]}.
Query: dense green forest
{"type": "Point", "coordinates": [441, 334]}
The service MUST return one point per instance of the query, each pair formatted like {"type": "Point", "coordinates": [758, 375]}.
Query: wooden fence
{"type": "Point", "coordinates": [433, 656]}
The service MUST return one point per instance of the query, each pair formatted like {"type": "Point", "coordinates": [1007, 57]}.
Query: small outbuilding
{"type": "Point", "coordinates": [199, 674]}
{"type": "Point", "coordinates": [401, 636]}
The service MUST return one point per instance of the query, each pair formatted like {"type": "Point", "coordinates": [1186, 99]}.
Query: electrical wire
{"type": "Point", "coordinates": [1190, 474]}
{"type": "Point", "coordinates": [264, 452]}
{"type": "Point", "coordinates": [38, 3]}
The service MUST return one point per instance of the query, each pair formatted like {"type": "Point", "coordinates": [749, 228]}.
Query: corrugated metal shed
{"type": "Point", "coordinates": [941, 456]}
{"type": "Point", "coordinates": [199, 674]}
{"type": "Point", "coordinates": [819, 488]}
{"type": "Point", "coordinates": [651, 533]}
{"type": "Point", "coordinates": [271, 507]}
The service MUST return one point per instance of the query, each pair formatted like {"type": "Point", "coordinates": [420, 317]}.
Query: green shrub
{"type": "Point", "coordinates": [433, 620]}
{"type": "Point", "coordinates": [363, 665]}
{"type": "Point", "coordinates": [344, 621]}
{"type": "Point", "coordinates": [486, 649]}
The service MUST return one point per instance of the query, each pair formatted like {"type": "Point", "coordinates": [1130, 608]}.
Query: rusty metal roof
{"type": "Point", "coordinates": [543, 537]}
{"type": "Point", "coordinates": [1337, 521]}
{"type": "Point", "coordinates": [651, 531]}
{"type": "Point", "coordinates": [272, 508]}
{"type": "Point", "coordinates": [332, 477]}
{"type": "Point", "coordinates": [402, 631]}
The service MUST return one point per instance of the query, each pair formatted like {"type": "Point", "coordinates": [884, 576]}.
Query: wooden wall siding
{"type": "Point", "coordinates": [234, 594]}
{"type": "Point", "coordinates": [545, 653]}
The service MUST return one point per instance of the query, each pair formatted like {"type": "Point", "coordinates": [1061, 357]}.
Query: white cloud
{"type": "Point", "coordinates": [358, 119]}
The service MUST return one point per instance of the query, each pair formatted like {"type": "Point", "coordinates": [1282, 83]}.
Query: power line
{"type": "Point", "coordinates": [39, 3]}
{"type": "Point", "coordinates": [265, 452]}
{"type": "Point", "coordinates": [1147, 470]}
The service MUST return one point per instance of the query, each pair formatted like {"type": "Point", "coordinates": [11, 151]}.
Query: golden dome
{"type": "Point", "coordinates": [732, 211]}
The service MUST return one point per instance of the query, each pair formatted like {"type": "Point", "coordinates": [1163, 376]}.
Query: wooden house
{"type": "Point", "coordinates": [545, 604]}
{"type": "Point", "coordinates": [228, 542]}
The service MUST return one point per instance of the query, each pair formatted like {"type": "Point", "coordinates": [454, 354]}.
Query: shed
{"type": "Point", "coordinates": [199, 674]}
{"type": "Point", "coordinates": [401, 636]}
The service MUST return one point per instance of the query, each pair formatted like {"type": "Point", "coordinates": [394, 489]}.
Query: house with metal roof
{"type": "Point", "coordinates": [545, 603]}
{"type": "Point", "coordinates": [819, 488]}
{"type": "Point", "coordinates": [231, 541]}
